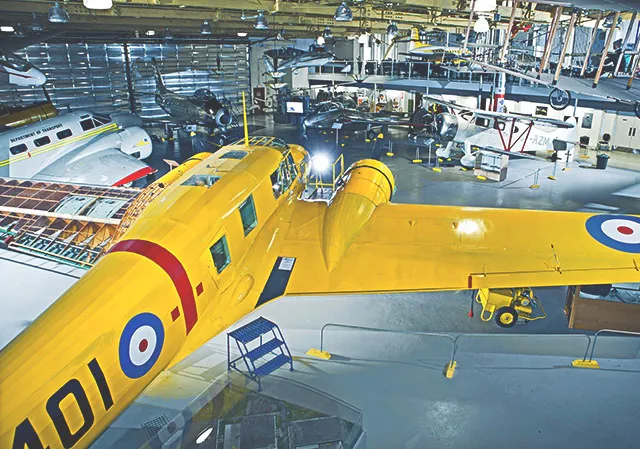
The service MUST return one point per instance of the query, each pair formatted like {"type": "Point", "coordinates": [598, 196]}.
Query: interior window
{"type": "Point", "coordinates": [201, 181]}
{"type": "Point", "coordinates": [87, 124]}
{"type": "Point", "coordinates": [44, 140]}
{"type": "Point", "coordinates": [17, 149]}
{"type": "Point", "coordinates": [64, 134]}
{"type": "Point", "coordinates": [220, 254]}
{"type": "Point", "coordinates": [248, 215]}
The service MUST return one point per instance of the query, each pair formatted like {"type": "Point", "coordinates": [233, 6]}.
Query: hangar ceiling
{"type": "Point", "coordinates": [299, 18]}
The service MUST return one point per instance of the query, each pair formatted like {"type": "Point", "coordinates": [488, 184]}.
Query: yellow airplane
{"type": "Point", "coordinates": [228, 233]}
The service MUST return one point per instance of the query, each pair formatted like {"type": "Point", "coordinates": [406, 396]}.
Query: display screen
{"type": "Point", "coordinates": [295, 107]}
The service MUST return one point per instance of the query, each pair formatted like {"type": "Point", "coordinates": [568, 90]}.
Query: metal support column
{"type": "Point", "coordinates": [567, 38]}
{"type": "Point", "coordinates": [128, 76]}
{"type": "Point", "coordinates": [607, 45]}
{"type": "Point", "coordinates": [546, 56]}
{"type": "Point", "coordinates": [634, 66]}
{"type": "Point", "coordinates": [594, 33]}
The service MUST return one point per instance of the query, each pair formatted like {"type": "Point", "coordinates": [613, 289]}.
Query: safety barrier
{"type": "Point", "coordinates": [449, 369]}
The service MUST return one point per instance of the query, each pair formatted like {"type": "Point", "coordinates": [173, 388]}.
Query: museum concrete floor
{"type": "Point", "coordinates": [511, 388]}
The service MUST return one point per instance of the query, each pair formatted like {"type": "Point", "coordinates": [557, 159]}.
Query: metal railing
{"type": "Point", "coordinates": [591, 340]}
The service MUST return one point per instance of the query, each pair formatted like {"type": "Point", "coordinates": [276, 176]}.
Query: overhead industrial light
{"type": "Point", "coordinates": [167, 34]}
{"type": "Point", "coordinates": [150, 32]}
{"type": "Point", "coordinates": [327, 33]}
{"type": "Point", "coordinates": [97, 4]}
{"type": "Point", "coordinates": [57, 14]}
{"type": "Point", "coordinates": [481, 25]}
{"type": "Point", "coordinates": [205, 28]}
{"type": "Point", "coordinates": [485, 5]}
{"type": "Point", "coordinates": [343, 13]}
{"type": "Point", "coordinates": [7, 29]}
{"type": "Point", "coordinates": [242, 34]}
{"type": "Point", "coordinates": [392, 29]}
{"type": "Point", "coordinates": [261, 22]}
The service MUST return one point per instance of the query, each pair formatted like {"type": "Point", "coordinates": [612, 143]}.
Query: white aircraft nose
{"type": "Point", "coordinates": [37, 77]}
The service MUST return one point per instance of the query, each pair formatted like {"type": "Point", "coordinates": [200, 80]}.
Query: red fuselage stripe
{"type": "Point", "coordinates": [135, 175]}
{"type": "Point", "coordinates": [174, 269]}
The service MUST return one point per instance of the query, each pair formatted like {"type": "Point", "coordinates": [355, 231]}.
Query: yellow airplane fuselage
{"type": "Point", "coordinates": [152, 300]}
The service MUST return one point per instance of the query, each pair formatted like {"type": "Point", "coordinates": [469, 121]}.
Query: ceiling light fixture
{"type": "Point", "coordinates": [7, 29]}
{"type": "Point", "coordinates": [97, 4]}
{"type": "Point", "coordinates": [57, 14]}
{"type": "Point", "coordinates": [205, 28]}
{"type": "Point", "coordinates": [485, 5]}
{"type": "Point", "coordinates": [242, 34]}
{"type": "Point", "coordinates": [343, 13]}
{"type": "Point", "coordinates": [392, 29]}
{"type": "Point", "coordinates": [150, 32]}
{"type": "Point", "coordinates": [261, 22]}
{"type": "Point", "coordinates": [481, 25]}
{"type": "Point", "coordinates": [327, 34]}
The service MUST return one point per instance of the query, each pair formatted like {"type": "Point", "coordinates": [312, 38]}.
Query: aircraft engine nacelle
{"type": "Point", "coordinates": [366, 185]}
{"type": "Point", "coordinates": [447, 126]}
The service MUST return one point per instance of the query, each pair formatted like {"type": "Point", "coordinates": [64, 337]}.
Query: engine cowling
{"type": "Point", "coordinates": [447, 126]}
{"type": "Point", "coordinates": [223, 117]}
{"type": "Point", "coordinates": [367, 184]}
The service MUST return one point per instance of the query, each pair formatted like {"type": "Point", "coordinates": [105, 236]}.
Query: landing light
{"type": "Point", "coordinates": [467, 226]}
{"type": "Point", "coordinates": [204, 435]}
{"type": "Point", "coordinates": [7, 29]}
{"type": "Point", "coordinates": [320, 163]}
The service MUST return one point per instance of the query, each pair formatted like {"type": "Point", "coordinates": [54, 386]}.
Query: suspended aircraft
{"type": "Point", "coordinates": [77, 147]}
{"type": "Point", "coordinates": [498, 131]}
{"type": "Point", "coordinates": [279, 61]}
{"type": "Point", "coordinates": [227, 233]}
{"type": "Point", "coordinates": [18, 71]}
{"type": "Point", "coordinates": [211, 116]}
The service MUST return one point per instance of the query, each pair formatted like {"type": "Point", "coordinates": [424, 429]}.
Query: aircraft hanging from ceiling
{"type": "Point", "coordinates": [498, 131]}
{"type": "Point", "coordinates": [279, 61]}
{"type": "Point", "coordinates": [77, 147]}
{"type": "Point", "coordinates": [228, 233]}
{"type": "Point", "coordinates": [18, 71]}
{"type": "Point", "coordinates": [203, 109]}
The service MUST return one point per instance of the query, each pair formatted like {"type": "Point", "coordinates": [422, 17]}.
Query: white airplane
{"type": "Point", "coordinates": [78, 147]}
{"type": "Point", "coordinates": [15, 70]}
{"type": "Point", "coordinates": [499, 131]}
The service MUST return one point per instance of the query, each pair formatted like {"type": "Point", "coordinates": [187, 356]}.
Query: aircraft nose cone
{"type": "Point", "coordinates": [38, 78]}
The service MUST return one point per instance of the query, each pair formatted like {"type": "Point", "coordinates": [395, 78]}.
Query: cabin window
{"type": "Point", "coordinates": [248, 215]}
{"type": "Point", "coordinates": [100, 120]}
{"type": "Point", "coordinates": [64, 134]}
{"type": "Point", "coordinates": [17, 149]}
{"type": "Point", "coordinates": [220, 254]}
{"type": "Point", "coordinates": [87, 124]}
{"type": "Point", "coordinates": [234, 155]}
{"type": "Point", "coordinates": [587, 120]}
{"type": "Point", "coordinates": [41, 141]}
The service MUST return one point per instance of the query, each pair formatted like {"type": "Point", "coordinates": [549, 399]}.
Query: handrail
{"type": "Point", "coordinates": [602, 331]}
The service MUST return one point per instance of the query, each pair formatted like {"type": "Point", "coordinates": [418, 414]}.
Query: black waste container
{"type": "Point", "coordinates": [602, 160]}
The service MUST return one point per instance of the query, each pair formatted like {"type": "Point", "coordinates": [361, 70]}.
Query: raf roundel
{"type": "Point", "coordinates": [140, 344]}
{"type": "Point", "coordinates": [620, 232]}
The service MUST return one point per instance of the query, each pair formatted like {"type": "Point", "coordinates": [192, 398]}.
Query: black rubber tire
{"type": "Point", "coordinates": [370, 134]}
{"type": "Point", "coordinates": [503, 311]}
{"type": "Point", "coordinates": [220, 140]}
{"type": "Point", "coordinates": [560, 106]}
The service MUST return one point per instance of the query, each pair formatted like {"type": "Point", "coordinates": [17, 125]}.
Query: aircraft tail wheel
{"type": "Point", "coordinates": [506, 317]}
{"type": "Point", "coordinates": [559, 99]}
{"type": "Point", "coordinates": [220, 140]}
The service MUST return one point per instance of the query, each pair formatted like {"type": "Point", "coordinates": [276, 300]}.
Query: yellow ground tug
{"type": "Point", "coordinates": [506, 305]}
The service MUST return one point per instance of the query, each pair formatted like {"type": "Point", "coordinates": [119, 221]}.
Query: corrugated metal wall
{"type": "Point", "coordinates": [94, 76]}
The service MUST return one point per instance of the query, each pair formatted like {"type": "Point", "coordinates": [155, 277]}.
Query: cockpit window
{"type": "Point", "coordinates": [100, 119]}
{"type": "Point", "coordinates": [201, 181]}
{"type": "Point", "coordinates": [87, 124]}
{"type": "Point", "coordinates": [234, 155]}
{"type": "Point", "coordinates": [15, 63]}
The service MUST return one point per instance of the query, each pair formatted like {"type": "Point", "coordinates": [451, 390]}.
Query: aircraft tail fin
{"type": "Point", "coordinates": [159, 83]}
{"type": "Point", "coordinates": [415, 39]}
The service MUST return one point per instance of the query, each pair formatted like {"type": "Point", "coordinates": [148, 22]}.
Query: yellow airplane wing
{"type": "Point", "coordinates": [354, 246]}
